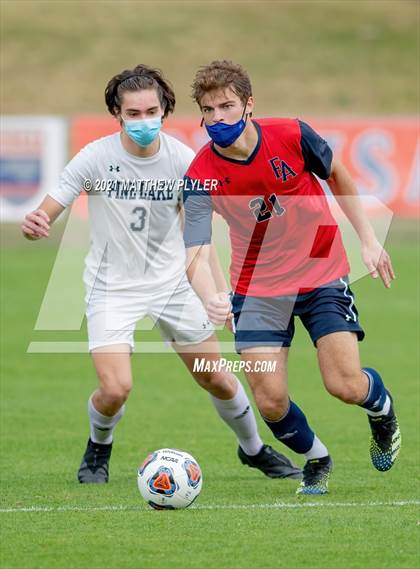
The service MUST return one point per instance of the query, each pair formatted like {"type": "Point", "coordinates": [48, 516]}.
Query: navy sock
{"type": "Point", "coordinates": [293, 430]}
{"type": "Point", "coordinates": [377, 394]}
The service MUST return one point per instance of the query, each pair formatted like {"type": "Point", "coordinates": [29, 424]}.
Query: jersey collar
{"type": "Point", "coordinates": [250, 157]}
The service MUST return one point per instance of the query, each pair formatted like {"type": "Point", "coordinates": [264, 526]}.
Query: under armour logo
{"type": "Point", "coordinates": [288, 435]}
{"type": "Point", "coordinates": [225, 181]}
{"type": "Point", "coordinates": [243, 413]}
{"type": "Point", "coordinates": [112, 168]}
{"type": "Point", "coordinates": [376, 403]}
{"type": "Point", "coordinates": [348, 317]}
{"type": "Point", "coordinates": [205, 325]}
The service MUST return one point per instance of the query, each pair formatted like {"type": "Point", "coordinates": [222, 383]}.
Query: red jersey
{"type": "Point", "coordinates": [284, 237]}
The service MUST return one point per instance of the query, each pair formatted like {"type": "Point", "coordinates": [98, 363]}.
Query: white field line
{"type": "Point", "coordinates": [274, 506]}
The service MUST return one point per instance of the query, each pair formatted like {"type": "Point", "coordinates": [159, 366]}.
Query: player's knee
{"type": "Point", "coordinates": [115, 390]}
{"type": "Point", "coordinates": [272, 406]}
{"type": "Point", "coordinates": [115, 397]}
{"type": "Point", "coordinates": [347, 388]}
{"type": "Point", "coordinates": [212, 381]}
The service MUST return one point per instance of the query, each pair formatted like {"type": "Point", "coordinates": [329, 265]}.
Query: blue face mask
{"type": "Point", "coordinates": [143, 132]}
{"type": "Point", "coordinates": [224, 134]}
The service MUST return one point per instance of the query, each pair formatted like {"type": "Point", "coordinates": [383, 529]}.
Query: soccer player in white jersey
{"type": "Point", "coordinates": [136, 267]}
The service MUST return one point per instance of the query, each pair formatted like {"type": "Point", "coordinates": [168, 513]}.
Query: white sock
{"type": "Point", "coordinates": [317, 450]}
{"type": "Point", "coordinates": [384, 411]}
{"type": "Point", "coordinates": [101, 426]}
{"type": "Point", "coordinates": [238, 414]}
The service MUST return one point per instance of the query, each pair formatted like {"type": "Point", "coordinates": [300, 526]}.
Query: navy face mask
{"type": "Point", "coordinates": [224, 134]}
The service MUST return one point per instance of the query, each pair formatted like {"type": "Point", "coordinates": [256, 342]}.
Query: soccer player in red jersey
{"type": "Point", "coordinates": [136, 267]}
{"type": "Point", "coordinates": [288, 260]}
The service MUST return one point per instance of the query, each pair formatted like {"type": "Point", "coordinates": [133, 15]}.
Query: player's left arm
{"type": "Point", "coordinates": [374, 255]}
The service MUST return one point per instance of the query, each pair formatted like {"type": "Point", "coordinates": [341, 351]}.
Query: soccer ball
{"type": "Point", "coordinates": [169, 479]}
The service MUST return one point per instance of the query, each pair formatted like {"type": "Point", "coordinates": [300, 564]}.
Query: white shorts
{"type": "Point", "coordinates": [179, 315]}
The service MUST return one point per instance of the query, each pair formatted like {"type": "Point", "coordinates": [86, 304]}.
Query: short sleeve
{"type": "Point", "coordinates": [316, 152]}
{"type": "Point", "coordinates": [198, 210]}
{"type": "Point", "coordinates": [187, 156]}
{"type": "Point", "coordinates": [73, 178]}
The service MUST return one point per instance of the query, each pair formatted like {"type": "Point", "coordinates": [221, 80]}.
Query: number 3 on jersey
{"type": "Point", "coordinates": [140, 219]}
{"type": "Point", "coordinates": [260, 208]}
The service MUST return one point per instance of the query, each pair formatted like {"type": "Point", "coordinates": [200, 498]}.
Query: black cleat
{"type": "Point", "coordinates": [385, 442]}
{"type": "Point", "coordinates": [95, 464]}
{"type": "Point", "coordinates": [271, 463]}
{"type": "Point", "coordinates": [316, 473]}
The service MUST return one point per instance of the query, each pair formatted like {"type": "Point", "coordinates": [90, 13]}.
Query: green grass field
{"type": "Point", "coordinates": [241, 520]}
{"type": "Point", "coordinates": [313, 57]}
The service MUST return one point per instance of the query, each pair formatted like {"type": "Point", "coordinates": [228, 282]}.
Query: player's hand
{"type": "Point", "coordinates": [36, 225]}
{"type": "Point", "coordinates": [229, 324]}
{"type": "Point", "coordinates": [219, 309]}
{"type": "Point", "coordinates": [378, 262]}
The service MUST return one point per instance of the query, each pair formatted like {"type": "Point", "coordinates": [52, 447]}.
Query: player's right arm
{"type": "Point", "coordinates": [72, 180]}
{"type": "Point", "coordinates": [201, 277]}
{"type": "Point", "coordinates": [217, 271]}
{"type": "Point", "coordinates": [198, 212]}
{"type": "Point", "coordinates": [37, 223]}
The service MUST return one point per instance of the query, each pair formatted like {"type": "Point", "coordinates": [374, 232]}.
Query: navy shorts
{"type": "Point", "coordinates": [269, 321]}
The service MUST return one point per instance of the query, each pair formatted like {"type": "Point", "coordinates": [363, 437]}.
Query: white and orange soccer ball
{"type": "Point", "coordinates": [169, 479]}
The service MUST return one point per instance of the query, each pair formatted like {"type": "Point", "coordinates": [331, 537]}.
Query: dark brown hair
{"type": "Point", "coordinates": [141, 77]}
{"type": "Point", "coordinates": [222, 75]}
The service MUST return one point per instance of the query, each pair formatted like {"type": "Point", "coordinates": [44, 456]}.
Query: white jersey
{"type": "Point", "coordinates": [135, 225]}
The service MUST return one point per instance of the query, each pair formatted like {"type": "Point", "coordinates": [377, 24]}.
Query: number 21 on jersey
{"type": "Point", "coordinates": [261, 209]}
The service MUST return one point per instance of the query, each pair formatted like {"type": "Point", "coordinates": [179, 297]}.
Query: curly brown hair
{"type": "Point", "coordinates": [222, 75]}
{"type": "Point", "coordinates": [141, 77]}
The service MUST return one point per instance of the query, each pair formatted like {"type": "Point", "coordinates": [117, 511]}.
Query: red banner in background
{"type": "Point", "coordinates": [382, 154]}
{"type": "Point", "coordinates": [86, 128]}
